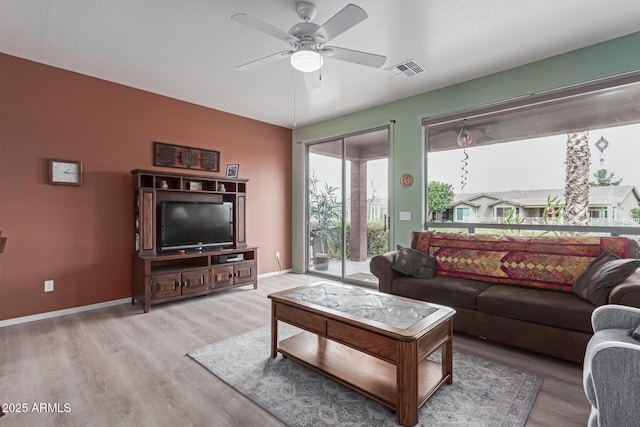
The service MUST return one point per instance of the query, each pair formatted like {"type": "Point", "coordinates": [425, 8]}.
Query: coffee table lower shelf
{"type": "Point", "coordinates": [368, 375]}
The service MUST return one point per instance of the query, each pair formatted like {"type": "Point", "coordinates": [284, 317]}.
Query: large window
{"type": "Point", "coordinates": [524, 162]}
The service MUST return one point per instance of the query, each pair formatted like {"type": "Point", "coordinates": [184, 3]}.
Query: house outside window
{"type": "Point", "coordinates": [462, 213]}
{"type": "Point", "coordinates": [505, 211]}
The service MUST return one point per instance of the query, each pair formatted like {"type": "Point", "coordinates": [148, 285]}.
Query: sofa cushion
{"type": "Point", "coordinates": [414, 263]}
{"type": "Point", "coordinates": [604, 272]}
{"type": "Point", "coordinates": [545, 307]}
{"type": "Point", "coordinates": [541, 262]}
{"type": "Point", "coordinates": [450, 291]}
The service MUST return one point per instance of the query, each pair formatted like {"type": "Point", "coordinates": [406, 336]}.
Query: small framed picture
{"type": "Point", "coordinates": [232, 171]}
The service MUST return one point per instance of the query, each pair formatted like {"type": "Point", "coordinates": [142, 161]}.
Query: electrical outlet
{"type": "Point", "coordinates": [48, 285]}
{"type": "Point", "coordinates": [277, 256]}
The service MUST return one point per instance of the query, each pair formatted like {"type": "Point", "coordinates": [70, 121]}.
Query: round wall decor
{"type": "Point", "coordinates": [406, 180]}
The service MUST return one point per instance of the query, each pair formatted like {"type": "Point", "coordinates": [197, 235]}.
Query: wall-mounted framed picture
{"type": "Point", "coordinates": [3, 242]}
{"type": "Point", "coordinates": [232, 171]}
{"type": "Point", "coordinates": [179, 156]}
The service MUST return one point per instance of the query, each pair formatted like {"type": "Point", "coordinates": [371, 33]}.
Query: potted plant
{"type": "Point", "coordinates": [324, 212]}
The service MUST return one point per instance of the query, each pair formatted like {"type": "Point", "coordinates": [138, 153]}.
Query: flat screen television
{"type": "Point", "coordinates": [195, 225]}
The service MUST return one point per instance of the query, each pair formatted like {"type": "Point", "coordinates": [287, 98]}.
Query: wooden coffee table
{"type": "Point", "coordinates": [374, 343]}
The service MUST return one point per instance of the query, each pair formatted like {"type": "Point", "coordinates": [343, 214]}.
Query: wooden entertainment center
{"type": "Point", "coordinates": [162, 276]}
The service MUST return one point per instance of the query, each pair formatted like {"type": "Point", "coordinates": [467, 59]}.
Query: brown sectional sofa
{"type": "Point", "coordinates": [513, 290]}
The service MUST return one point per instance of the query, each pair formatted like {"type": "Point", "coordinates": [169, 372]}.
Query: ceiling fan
{"type": "Point", "coordinates": [308, 39]}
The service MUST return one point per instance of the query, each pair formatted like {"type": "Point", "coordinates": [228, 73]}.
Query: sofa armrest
{"type": "Point", "coordinates": [615, 317]}
{"type": "Point", "coordinates": [381, 267]}
{"type": "Point", "coordinates": [608, 369]}
{"type": "Point", "coordinates": [627, 292]}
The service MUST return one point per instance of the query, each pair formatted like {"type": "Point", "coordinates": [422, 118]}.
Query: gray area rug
{"type": "Point", "coordinates": [483, 393]}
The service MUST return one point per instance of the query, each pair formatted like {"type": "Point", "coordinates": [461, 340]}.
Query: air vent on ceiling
{"type": "Point", "coordinates": [405, 69]}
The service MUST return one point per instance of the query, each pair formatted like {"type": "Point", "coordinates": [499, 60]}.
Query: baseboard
{"type": "Point", "coordinates": [273, 273]}
{"type": "Point", "coordinates": [57, 313]}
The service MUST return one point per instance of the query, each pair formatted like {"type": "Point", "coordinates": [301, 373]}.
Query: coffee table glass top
{"type": "Point", "coordinates": [383, 308]}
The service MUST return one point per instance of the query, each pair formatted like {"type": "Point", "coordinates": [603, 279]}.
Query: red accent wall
{"type": "Point", "coordinates": [81, 237]}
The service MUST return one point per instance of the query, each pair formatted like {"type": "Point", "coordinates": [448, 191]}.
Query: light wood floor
{"type": "Point", "coordinates": [119, 367]}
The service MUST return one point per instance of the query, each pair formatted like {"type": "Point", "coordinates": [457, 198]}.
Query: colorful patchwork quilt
{"type": "Point", "coordinates": [541, 262]}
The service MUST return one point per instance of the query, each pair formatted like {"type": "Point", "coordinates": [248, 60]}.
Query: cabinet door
{"type": "Point", "coordinates": [245, 272]}
{"type": "Point", "coordinates": [222, 276]}
{"type": "Point", "coordinates": [195, 281]}
{"type": "Point", "coordinates": [165, 285]}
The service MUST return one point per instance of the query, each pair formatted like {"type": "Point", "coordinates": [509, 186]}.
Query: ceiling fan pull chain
{"type": "Point", "coordinates": [293, 79]}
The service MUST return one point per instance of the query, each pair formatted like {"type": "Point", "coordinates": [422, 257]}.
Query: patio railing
{"type": "Point", "coordinates": [471, 227]}
{"type": "Point", "coordinates": [536, 220]}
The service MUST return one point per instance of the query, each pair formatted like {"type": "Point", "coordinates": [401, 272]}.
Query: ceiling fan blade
{"type": "Point", "coordinates": [349, 16]}
{"type": "Point", "coordinates": [356, 56]}
{"type": "Point", "coordinates": [263, 27]}
{"type": "Point", "coordinates": [265, 60]}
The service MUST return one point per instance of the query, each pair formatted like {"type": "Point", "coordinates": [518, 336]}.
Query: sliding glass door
{"type": "Point", "coordinates": [325, 207]}
{"type": "Point", "coordinates": [347, 204]}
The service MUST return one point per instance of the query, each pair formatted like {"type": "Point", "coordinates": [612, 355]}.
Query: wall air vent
{"type": "Point", "coordinates": [405, 69]}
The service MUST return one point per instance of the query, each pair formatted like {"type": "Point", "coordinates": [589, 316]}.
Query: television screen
{"type": "Point", "coordinates": [195, 225]}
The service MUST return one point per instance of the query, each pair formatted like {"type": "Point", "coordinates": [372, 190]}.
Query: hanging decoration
{"type": "Point", "coordinates": [602, 145]}
{"type": "Point", "coordinates": [464, 140]}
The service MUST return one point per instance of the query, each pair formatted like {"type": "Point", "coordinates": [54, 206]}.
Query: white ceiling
{"type": "Point", "coordinates": [187, 49]}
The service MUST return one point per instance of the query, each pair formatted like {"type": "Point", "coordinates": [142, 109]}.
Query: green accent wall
{"type": "Point", "coordinates": [614, 57]}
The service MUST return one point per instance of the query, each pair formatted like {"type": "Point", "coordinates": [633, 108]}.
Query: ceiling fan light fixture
{"type": "Point", "coordinates": [306, 60]}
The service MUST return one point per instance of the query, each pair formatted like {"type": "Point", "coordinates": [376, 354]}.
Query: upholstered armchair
{"type": "Point", "coordinates": [612, 367]}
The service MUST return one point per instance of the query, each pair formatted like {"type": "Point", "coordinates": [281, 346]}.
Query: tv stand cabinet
{"type": "Point", "coordinates": [160, 277]}
{"type": "Point", "coordinates": [164, 278]}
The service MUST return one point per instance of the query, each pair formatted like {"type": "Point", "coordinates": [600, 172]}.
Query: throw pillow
{"type": "Point", "coordinates": [636, 333]}
{"type": "Point", "coordinates": [414, 263]}
{"type": "Point", "coordinates": [604, 272]}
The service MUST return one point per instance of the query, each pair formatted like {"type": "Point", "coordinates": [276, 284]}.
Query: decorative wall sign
{"type": "Point", "coordinates": [178, 156]}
